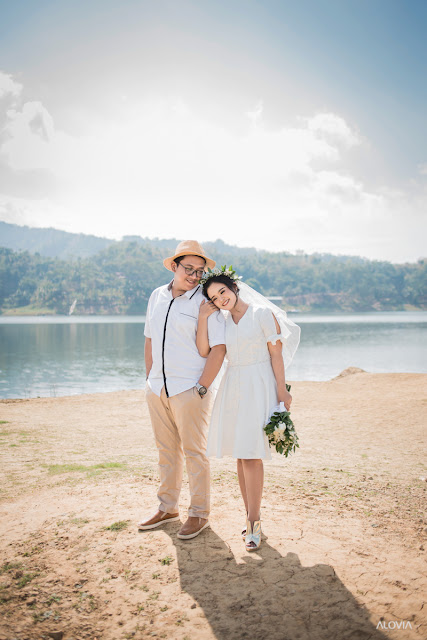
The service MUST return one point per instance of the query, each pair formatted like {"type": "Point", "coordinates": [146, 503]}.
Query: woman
{"type": "Point", "coordinates": [253, 384]}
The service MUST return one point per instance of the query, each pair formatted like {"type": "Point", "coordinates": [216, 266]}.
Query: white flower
{"type": "Point", "coordinates": [278, 434]}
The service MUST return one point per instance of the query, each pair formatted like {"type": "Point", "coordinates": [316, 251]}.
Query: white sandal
{"type": "Point", "coordinates": [253, 535]}
{"type": "Point", "coordinates": [244, 530]}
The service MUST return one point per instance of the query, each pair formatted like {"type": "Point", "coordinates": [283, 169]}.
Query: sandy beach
{"type": "Point", "coordinates": [344, 524]}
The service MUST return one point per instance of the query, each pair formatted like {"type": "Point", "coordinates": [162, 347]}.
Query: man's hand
{"type": "Point", "coordinates": [199, 388]}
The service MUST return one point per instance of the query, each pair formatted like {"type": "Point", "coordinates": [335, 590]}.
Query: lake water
{"type": "Point", "coordinates": [61, 355]}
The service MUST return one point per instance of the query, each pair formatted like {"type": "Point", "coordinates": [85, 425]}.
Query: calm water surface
{"type": "Point", "coordinates": [61, 355]}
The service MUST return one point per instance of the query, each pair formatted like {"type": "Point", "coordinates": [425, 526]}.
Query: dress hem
{"type": "Point", "coordinates": [230, 455]}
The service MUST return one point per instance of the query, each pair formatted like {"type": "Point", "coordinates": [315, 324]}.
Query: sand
{"type": "Point", "coordinates": [344, 544]}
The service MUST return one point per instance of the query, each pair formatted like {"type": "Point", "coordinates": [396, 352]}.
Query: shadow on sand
{"type": "Point", "coordinates": [267, 595]}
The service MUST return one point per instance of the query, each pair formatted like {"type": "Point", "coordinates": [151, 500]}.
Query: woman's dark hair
{"type": "Point", "coordinates": [229, 282]}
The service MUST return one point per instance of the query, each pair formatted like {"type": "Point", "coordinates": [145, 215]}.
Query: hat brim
{"type": "Point", "coordinates": [168, 261]}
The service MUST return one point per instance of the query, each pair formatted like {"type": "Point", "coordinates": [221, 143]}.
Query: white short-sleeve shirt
{"type": "Point", "coordinates": [171, 323]}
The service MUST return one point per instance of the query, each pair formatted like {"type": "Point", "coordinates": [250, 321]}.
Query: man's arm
{"type": "Point", "coordinates": [213, 365]}
{"type": "Point", "coordinates": [148, 357]}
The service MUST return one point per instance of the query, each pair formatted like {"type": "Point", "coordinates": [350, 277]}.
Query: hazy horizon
{"type": "Point", "coordinates": [214, 240]}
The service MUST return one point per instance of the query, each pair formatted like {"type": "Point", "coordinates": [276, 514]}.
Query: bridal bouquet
{"type": "Point", "coordinates": [281, 431]}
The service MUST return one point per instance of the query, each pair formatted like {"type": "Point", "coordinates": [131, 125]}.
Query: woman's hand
{"type": "Point", "coordinates": [286, 398]}
{"type": "Point", "coordinates": [206, 309]}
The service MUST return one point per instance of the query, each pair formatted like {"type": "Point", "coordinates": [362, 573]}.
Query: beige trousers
{"type": "Point", "coordinates": [180, 426]}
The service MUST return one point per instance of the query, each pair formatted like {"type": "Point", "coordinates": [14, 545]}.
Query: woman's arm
{"type": "Point", "coordinates": [275, 350]}
{"type": "Point", "coordinates": [213, 365]}
{"type": "Point", "coordinates": [202, 341]}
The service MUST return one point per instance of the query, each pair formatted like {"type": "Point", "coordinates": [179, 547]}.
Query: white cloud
{"type": "Point", "coordinates": [29, 131]}
{"type": "Point", "coordinates": [8, 86]}
{"type": "Point", "coordinates": [158, 169]}
{"type": "Point", "coordinates": [332, 125]}
{"type": "Point", "coordinates": [256, 114]}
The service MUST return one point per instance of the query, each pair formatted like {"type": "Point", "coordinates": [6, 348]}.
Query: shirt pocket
{"type": "Point", "coordinates": [188, 325]}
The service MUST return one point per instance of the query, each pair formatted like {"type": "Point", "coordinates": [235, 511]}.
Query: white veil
{"type": "Point", "coordinates": [289, 331]}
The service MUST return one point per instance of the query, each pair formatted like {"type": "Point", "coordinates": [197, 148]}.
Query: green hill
{"type": "Point", "coordinates": [50, 242]}
{"type": "Point", "coordinates": [119, 279]}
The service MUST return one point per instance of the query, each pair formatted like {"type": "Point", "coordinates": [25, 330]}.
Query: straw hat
{"type": "Point", "coordinates": [188, 248]}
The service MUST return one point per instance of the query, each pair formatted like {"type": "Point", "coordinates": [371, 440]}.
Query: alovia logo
{"type": "Point", "coordinates": [393, 624]}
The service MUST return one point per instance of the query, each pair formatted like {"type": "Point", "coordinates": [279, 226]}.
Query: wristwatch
{"type": "Point", "coordinates": [202, 390]}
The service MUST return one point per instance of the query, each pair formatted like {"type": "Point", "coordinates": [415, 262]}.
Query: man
{"type": "Point", "coordinates": [177, 390]}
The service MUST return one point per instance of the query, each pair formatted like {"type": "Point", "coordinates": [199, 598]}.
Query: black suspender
{"type": "Point", "coordinates": [164, 338]}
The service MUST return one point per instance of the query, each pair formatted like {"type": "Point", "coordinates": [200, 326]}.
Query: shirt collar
{"type": "Point", "coordinates": [187, 294]}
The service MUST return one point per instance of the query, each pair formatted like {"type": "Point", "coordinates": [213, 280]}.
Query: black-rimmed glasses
{"type": "Point", "coordinates": [190, 271]}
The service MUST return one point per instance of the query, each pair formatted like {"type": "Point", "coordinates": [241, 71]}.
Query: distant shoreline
{"type": "Point", "coordinates": [21, 313]}
{"type": "Point", "coordinates": [346, 373]}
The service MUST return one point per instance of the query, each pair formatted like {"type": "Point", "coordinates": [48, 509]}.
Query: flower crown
{"type": "Point", "coordinates": [217, 271]}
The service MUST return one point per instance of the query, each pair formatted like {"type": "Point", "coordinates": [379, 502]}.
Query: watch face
{"type": "Point", "coordinates": [202, 391]}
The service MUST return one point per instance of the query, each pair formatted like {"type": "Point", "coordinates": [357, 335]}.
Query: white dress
{"type": "Point", "coordinates": [247, 394]}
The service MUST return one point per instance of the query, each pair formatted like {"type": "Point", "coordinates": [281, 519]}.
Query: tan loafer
{"type": "Point", "coordinates": [192, 527]}
{"type": "Point", "coordinates": [159, 518]}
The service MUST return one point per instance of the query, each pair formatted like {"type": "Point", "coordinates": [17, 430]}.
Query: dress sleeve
{"type": "Point", "coordinates": [269, 326]}
{"type": "Point", "coordinates": [216, 329]}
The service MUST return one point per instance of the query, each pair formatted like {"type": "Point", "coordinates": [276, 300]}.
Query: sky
{"type": "Point", "coordinates": [280, 125]}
